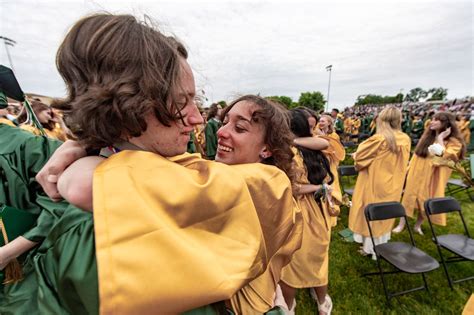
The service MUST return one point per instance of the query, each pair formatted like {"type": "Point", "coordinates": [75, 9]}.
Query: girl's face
{"type": "Point", "coordinates": [323, 123]}
{"type": "Point", "coordinates": [240, 139]}
{"type": "Point", "coordinates": [436, 124]}
{"type": "Point", "coordinates": [45, 116]}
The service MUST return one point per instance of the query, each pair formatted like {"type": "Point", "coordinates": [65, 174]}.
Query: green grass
{"type": "Point", "coordinates": [353, 294]}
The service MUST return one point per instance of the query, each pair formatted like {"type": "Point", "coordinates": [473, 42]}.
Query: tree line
{"type": "Point", "coordinates": [316, 101]}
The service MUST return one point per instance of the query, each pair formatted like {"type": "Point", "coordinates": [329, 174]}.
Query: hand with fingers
{"type": "Point", "coordinates": [64, 156]}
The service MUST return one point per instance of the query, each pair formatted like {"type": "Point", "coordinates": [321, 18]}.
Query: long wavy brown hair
{"type": "Point", "coordinates": [117, 71]}
{"type": "Point", "coordinates": [278, 138]}
{"type": "Point", "coordinates": [429, 136]}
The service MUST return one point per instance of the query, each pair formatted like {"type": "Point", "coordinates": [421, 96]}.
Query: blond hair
{"type": "Point", "coordinates": [331, 123]}
{"type": "Point", "coordinates": [388, 121]}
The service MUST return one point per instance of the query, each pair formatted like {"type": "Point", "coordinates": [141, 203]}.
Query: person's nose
{"type": "Point", "coordinates": [223, 132]}
{"type": "Point", "coordinates": [195, 117]}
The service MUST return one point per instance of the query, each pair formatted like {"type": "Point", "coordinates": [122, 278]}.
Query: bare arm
{"type": "Point", "coordinates": [75, 183]}
{"type": "Point", "coordinates": [14, 249]}
{"type": "Point", "coordinates": [306, 189]}
{"type": "Point", "coordinates": [312, 143]}
{"type": "Point", "coordinates": [64, 156]}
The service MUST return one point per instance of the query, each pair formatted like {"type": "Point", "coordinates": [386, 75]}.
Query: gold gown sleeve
{"type": "Point", "coordinates": [452, 150]}
{"type": "Point", "coordinates": [367, 151]}
{"type": "Point", "coordinates": [281, 222]}
{"type": "Point", "coordinates": [172, 235]}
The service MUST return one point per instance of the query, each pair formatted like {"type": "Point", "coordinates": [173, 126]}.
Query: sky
{"type": "Point", "coordinates": [272, 47]}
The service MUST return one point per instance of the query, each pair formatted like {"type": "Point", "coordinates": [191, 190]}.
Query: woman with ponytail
{"type": "Point", "coordinates": [382, 162]}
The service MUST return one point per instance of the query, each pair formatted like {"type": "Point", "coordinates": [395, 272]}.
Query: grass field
{"type": "Point", "coordinates": [353, 294]}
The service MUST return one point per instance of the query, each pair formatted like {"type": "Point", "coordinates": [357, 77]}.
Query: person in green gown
{"type": "Point", "coordinates": [22, 155]}
{"type": "Point", "coordinates": [210, 131]}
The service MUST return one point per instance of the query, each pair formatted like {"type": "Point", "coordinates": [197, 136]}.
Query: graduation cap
{"type": "Point", "coordinates": [3, 100]}
{"type": "Point", "coordinates": [10, 87]}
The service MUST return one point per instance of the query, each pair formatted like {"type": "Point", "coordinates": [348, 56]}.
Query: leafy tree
{"type": "Point", "coordinates": [416, 94]}
{"type": "Point", "coordinates": [369, 99]}
{"type": "Point", "coordinates": [313, 100]}
{"type": "Point", "coordinates": [285, 100]}
{"type": "Point", "coordinates": [437, 94]}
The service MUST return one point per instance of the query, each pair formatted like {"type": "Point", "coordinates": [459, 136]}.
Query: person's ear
{"type": "Point", "coordinates": [265, 153]}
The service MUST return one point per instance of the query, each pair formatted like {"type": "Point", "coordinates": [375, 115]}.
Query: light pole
{"type": "Point", "coordinates": [328, 68]}
{"type": "Point", "coordinates": [8, 42]}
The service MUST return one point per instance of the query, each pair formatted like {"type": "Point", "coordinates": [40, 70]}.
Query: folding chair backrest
{"type": "Point", "coordinates": [444, 205]}
{"type": "Point", "coordinates": [441, 205]}
{"type": "Point", "coordinates": [384, 211]}
{"type": "Point", "coordinates": [347, 170]}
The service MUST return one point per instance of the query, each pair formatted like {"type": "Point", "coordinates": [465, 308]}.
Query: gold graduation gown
{"type": "Point", "coordinates": [381, 177]}
{"type": "Point", "coordinates": [348, 125]}
{"type": "Point", "coordinates": [335, 154]}
{"type": "Point", "coordinates": [172, 235]}
{"type": "Point", "coordinates": [355, 126]}
{"type": "Point", "coordinates": [425, 181]}
{"type": "Point", "coordinates": [6, 121]}
{"type": "Point", "coordinates": [309, 265]}
{"type": "Point", "coordinates": [56, 133]}
{"type": "Point", "coordinates": [463, 126]}
{"type": "Point", "coordinates": [282, 226]}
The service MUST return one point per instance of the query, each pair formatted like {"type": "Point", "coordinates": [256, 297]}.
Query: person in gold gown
{"type": "Point", "coordinates": [425, 179]}
{"type": "Point", "coordinates": [356, 123]}
{"type": "Point", "coordinates": [382, 162]}
{"type": "Point", "coordinates": [347, 127]}
{"type": "Point", "coordinates": [211, 243]}
{"type": "Point", "coordinates": [335, 153]}
{"type": "Point", "coordinates": [256, 130]}
{"type": "Point", "coordinates": [310, 265]}
{"type": "Point", "coordinates": [463, 125]}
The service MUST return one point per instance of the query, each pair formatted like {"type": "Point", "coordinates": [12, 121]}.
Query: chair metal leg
{"type": "Point", "coordinates": [424, 281]}
{"type": "Point", "coordinates": [445, 267]}
{"type": "Point", "coordinates": [387, 295]}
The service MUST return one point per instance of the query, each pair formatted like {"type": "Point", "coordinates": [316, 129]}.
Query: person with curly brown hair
{"type": "Point", "coordinates": [256, 130]}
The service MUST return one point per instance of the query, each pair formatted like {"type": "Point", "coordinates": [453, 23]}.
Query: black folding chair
{"type": "Point", "coordinates": [349, 144]}
{"type": "Point", "coordinates": [345, 171]}
{"type": "Point", "coordinates": [460, 245]}
{"type": "Point", "coordinates": [404, 257]}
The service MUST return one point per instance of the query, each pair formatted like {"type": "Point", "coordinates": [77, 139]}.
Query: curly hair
{"type": "Point", "coordinates": [448, 120]}
{"type": "Point", "coordinates": [278, 136]}
{"type": "Point", "coordinates": [117, 71]}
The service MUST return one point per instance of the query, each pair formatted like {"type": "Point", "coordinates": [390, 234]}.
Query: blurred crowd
{"type": "Point", "coordinates": [357, 123]}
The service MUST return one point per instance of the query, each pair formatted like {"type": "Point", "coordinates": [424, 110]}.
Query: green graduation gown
{"type": "Point", "coordinates": [22, 155]}
{"type": "Point", "coordinates": [211, 137]}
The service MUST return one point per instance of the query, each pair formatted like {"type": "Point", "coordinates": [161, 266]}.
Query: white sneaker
{"type": "Point", "coordinates": [398, 229]}
{"type": "Point", "coordinates": [326, 307]}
